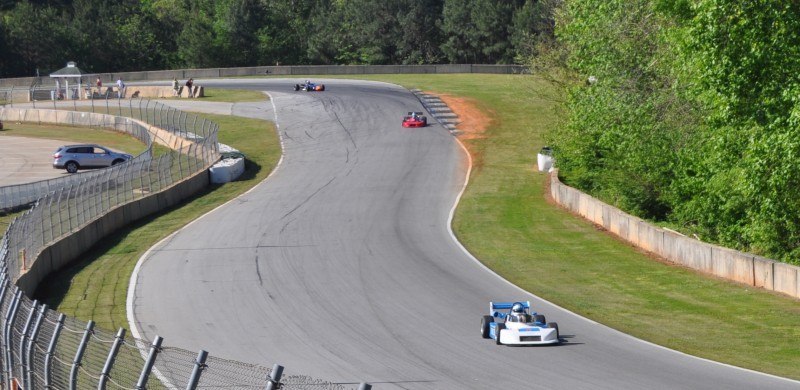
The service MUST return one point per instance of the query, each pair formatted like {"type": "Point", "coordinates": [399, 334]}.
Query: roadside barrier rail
{"type": "Point", "coordinates": [15, 196]}
{"type": "Point", "coordinates": [715, 260]}
{"type": "Point", "coordinates": [43, 349]}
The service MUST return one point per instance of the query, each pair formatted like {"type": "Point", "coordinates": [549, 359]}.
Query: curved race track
{"type": "Point", "coordinates": [341, 266]}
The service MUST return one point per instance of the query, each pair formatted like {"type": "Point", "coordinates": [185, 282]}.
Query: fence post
{"type": "Point", "coordinates": [23, 340]}
{"type": "Point", "coordinates": [364, 386]}
{"type": "Point", "coordinates": [274, 378]}
{"type": "Point", "coordinates": [31, 341]}
{"type": "Point", "coordinates": [112, 354]}
{"type": "Point", "coordinates": [51, 350]}
{"type": "Point", "coordinates": [4, 285]}
{"type": "Point", "coordinates": [199, 366]}
{"type": "Point", "coordinates": [148, 365]}
{"type": "Point", "coordinates": [10, 315]}
{"type": "Point", "coordinates": [48, 199]}
{"type": "Point", "coordinates": [76, 363]}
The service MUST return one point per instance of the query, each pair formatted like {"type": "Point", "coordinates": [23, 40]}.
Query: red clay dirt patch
{"type": "Point", "coordinates": [472, 124]}
{"type": "Point", "coordinates": [472, 120]}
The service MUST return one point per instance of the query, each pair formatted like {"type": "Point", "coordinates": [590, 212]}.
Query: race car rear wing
{"type": "Point", "coordinates": [495, 306]}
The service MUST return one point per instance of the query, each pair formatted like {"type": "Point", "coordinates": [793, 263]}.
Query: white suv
{"type": "Point", "coordinates": [74, 157]}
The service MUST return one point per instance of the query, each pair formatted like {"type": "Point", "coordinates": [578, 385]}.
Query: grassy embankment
{"type": "Point", "coordinates": [507, 222]}
{"type": "Point", "coordinates": [95, 288]}
{"type": "Point", "coordinates": [69, 134]}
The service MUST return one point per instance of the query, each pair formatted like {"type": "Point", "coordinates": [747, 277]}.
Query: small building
{"type": "Point", "coordinates": [71, 74]}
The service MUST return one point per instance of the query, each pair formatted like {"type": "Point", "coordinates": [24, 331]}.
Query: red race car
{"type": "Point", "coordinates": [415, 119]}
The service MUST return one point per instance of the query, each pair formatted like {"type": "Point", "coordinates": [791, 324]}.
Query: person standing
{"type": "Point", "coordinates": [121, 87]}
{"type": "Point", "coordinates": [99, 85]}
{"type": "Point", "coordinates": [175, 87]}
{"type": "Point", "coordinates": [189, 86]}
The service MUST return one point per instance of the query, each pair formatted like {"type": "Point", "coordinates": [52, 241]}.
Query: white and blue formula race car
{"type": "Point", "coordinates": [519, 326]}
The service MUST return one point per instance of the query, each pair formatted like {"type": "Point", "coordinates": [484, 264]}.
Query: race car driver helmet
{"type": "Point", "coordinates": [517, 308]}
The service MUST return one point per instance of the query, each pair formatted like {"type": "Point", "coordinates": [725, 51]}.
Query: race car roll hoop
{"type": "Point", "coordinates": [519, 326]}
{"type": "Point", "coordinates": [308, 86]}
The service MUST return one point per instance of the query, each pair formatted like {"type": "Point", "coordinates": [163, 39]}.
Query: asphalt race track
{"type": "Point", "coordinates": [341, 266]}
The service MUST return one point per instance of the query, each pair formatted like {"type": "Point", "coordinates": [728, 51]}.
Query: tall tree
{"type": "Point", "coordinates": [477, 31]}
{"type": "Point", "coordinates": [532, 25]}
{"type": "Point", "coordinates": [420, 37]}
{"type": "Point", "coordinates": [196, 46]}
{"type": "Point", "coordinates": [37, 39]}
{"type": "Point", "coordinates": [236, 29]}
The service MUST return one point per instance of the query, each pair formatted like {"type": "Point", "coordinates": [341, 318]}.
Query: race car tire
{"type": "Point", "coordinates": [539, 318]}
{"type": "Point", "coordinates": [297, 87]}
{"type": "Point", "coordinates": [485, 323]}
{"type": "Point", "coordinates": [497, 333]}
{"type": "Point", "coordinates": [555, 326]}
{"type": "Point", "coordinates": [322, 87]}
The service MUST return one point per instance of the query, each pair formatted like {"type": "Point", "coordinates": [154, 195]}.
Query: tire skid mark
{"type": "Point", "coordinates": [309, 198]}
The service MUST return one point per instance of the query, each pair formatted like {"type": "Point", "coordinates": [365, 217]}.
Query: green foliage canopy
{"type": "Point", "coordinates": [693, 118]}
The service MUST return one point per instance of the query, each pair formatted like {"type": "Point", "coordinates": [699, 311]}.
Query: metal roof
{"type": "Point", "coordinates": [71, 70]}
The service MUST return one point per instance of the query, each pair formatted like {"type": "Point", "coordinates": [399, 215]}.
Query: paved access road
{"type": "Point", "coordinates": [25, 160]}
{"type": "Point", "coordinates": [341, 266]}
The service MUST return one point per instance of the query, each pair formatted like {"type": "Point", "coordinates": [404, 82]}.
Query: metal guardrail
{"type": "Point", "coordinates": [42, 349]}
{"type": "Point", "coordinates": [293, 70]}
{"type": "Point", "coordinates": [15, 196]}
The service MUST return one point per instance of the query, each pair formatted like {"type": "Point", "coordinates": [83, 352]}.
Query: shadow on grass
{"type": "Point", "coordinates": [54, 288]}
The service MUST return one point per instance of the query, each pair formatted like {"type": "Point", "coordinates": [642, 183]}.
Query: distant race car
{"type": "Point", "coordinates": [519, 326]}
{"type": "Point", "coordinates": [415, 119]}
{"type": "Point", "coordinates": [308, 86]}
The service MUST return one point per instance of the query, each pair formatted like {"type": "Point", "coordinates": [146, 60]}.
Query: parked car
{"type": "Point", "coordinates": [86, 156]}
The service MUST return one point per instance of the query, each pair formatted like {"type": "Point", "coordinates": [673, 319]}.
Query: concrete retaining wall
{"type": "Point", "coordinates": [62, 252]}
{"type": "Point", "coordinates": [712, 259]}
{"type": "Point", "coordinates": [182, 74]}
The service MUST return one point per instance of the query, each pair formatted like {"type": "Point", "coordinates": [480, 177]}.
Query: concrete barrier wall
{"type": "Point", "coordinates": [726, 263]}
{"type": "Point", "coordinates": [62, 252]}
{"type": "Point", "coordinates": [296, 70]}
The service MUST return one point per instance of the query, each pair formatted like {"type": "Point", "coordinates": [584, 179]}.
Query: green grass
{"type": "Point", "coordinates": [232, 95]}
{"type": "Point", "coordinates": [96, 287]}
{"type": "Point", "coordinates": [506, 221]}
{"type": "Point", "coordinates": [68, 134]}
{"type": "Point", "coordinates": [73, 134]}
{"type": "Point", "coordinates": [7, 218]}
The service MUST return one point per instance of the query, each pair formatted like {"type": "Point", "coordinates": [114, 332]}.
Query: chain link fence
{"type": "Point", "coordinates": [42, 349]}
{"type": "Point", "coordinates": [16, 196]}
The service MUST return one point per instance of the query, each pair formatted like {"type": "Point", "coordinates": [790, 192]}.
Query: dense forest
{"type": "Point", "coordinates": [131, 35]}
{"type": "Point", "coordinates": [686, 112]}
